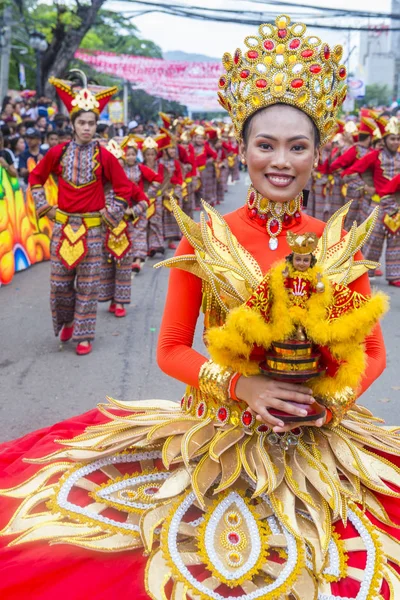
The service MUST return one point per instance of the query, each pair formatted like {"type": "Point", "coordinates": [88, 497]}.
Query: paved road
{"type": "Point", "coordinates": [41, 383]}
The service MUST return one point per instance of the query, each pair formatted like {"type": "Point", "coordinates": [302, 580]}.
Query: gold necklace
{"type": "Point", "coordinates": [274, 215]}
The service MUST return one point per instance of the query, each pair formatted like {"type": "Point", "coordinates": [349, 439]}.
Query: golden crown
{"type": "Point", "coordinates": [284, 65]}
{"type": "Point", "coordinates": [302, 244]}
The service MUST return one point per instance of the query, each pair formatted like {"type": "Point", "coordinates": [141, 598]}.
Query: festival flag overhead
{"type": "Point", "coordinates": [194, 84]}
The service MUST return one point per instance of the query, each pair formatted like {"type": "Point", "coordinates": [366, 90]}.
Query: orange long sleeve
{"type": "Point", "coordinates": [175, 354]}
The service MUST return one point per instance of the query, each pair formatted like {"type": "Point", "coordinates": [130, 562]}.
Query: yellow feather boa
{"type": "Point", "coordinates": [232, 344]}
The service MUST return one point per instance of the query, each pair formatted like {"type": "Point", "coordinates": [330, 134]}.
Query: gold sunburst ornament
{"type": "Point", "coordinates": [284, 64]}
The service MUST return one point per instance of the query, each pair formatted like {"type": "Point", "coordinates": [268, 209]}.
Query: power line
{"type": "Point", "coordinates": [247, 17]}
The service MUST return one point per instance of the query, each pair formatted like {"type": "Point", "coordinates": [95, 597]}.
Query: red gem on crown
{"type": "Point", "coordinates": [261, 83]}
{"type": "Point", "coordinates": [297, 83]}
{"type": "Point", "coordinates": [253, 54]}
{"type": "Point", "coordinates": [269, 45]}
{"type": "Point", "coordinates": [308, 53]}
{"type": "Point", "coordinates": [282, 33]}
{"type": "Point", "coordinates": [294, 44]}
{"type": "Point", "coordinates": [222, 81]}
{"type": "Point", "coordinates": [315, 69]}
{"type": "Point", "coordinates": [245, 73]}
{"type": "Point", "coordinates": [190, 402]}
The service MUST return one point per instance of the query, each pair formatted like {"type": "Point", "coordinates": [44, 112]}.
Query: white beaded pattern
{"type": "Point", "coordinates": [62, 496]}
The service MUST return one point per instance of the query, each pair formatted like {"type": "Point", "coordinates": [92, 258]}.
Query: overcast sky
{"type": "Point", "coordinates": [213, 39]}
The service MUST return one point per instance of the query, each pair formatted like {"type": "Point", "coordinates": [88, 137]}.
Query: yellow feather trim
{"type": "Point", "coordinates": [232, 344]}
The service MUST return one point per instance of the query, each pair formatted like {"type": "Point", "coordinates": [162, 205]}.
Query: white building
{"type": "Point", "coordinates": [379, 56]}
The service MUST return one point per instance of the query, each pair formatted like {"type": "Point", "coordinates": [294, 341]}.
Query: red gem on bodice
{"type": "Point", "coordinates": [297, 216]}
{"type": "Point", "coordinates": [247, 418]}
{"type": "Point", "coordinates": [253, 213]}
{"type": "Point", "coordinates": [263, 428]}
{"type": "Point", "coordinates": [222, 414]}
{"type": "Point", "coordinates": [233, 538]}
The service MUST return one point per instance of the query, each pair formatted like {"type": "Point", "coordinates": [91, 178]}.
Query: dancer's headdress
{"type": "Point", "coordinates": [388, 125]}
{"type": "Point", "coordinates": [284, 65]}
{"type": "Point", "coordinates": [115, 148]}
{"type": "Point", "coordinates": [90, 100]}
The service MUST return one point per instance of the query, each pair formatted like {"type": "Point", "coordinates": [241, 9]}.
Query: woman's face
{"type": "Point", "coordinates": [131, 156]}
{"type": "Point", "coordinates": [150, 155]}
{"type": "Point", "coordinates": [20, 145]}
{"type": "Point", "coordinates": [280, 152]}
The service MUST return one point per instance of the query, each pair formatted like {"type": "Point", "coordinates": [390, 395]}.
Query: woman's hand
{"type": "Point", "coordinates": [262, 393]}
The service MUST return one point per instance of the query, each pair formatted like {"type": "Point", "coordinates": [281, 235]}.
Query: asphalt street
{"type": "Point", "coordinates": [42, 383]}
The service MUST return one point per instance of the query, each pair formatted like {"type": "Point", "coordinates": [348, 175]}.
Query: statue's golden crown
{"type": "Point", "coordinates": [304, 243]}
{"type": "Point", "coordinates": [284, 65]}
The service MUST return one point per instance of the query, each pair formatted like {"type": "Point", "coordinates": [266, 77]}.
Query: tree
{"type": "Point", "coordinates": [377, 95]}
{"type": "Point", "coordinates": [64, 25]}
{"type": "Point", "coordinates": [65, 32]}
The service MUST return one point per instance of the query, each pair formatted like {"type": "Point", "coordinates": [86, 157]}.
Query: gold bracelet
{"type": "Point", "coordinates": [214, 381]}
{"type": "Point", "coordinates": [339, 404]}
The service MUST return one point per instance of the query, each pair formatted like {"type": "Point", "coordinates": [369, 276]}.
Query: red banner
{"type": "Point", "coordinates": [193, 84]}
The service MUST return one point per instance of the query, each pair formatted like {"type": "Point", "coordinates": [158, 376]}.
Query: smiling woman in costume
{"type": "Point", "coordinates": [269, 481]}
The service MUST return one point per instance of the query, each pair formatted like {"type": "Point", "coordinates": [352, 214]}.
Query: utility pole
{"type": "Point", "coordinates": [126, 101]}
{"type": "Point", "coordinates": [5, 48]}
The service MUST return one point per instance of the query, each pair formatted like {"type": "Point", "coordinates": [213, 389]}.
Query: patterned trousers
{"type": "Point", "coordinates": [116, 277]}
{"type": "Point", "coordinates": [138, 234]}
{"type": "Point", "coordinates": [320, 197]}
{"type": "Point", "coordinates": [355, 192]}
{"type": "Point", "coordinates": [155, 226]}
{"type": "Point", "coordinates": [74, 292]}
{"type": "Point", "coordinates": [335, 198]}
{"type": "Point", "coordinates": [374, 246]}
{"type": "Point", "coordinates": [170, 226]}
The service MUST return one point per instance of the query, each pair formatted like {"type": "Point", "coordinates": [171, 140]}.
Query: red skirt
{"type": "Point", "coordinates": [38, 570]}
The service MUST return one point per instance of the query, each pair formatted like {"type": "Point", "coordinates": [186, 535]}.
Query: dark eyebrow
{"type": "Point", "coordinates": [292, 139]}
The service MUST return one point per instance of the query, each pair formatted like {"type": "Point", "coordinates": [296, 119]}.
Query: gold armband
{"type": "Point", "coordinates": [339, 404]}
{"type": "Point", "coordinates": [214, 381]}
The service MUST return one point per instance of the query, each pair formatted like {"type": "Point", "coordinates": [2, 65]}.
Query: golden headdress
{"type": "Point", "coordinates": [284, 65]}
{"type": "Point", "coordinates": [304, 243]}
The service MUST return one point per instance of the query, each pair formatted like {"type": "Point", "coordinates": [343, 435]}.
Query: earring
{"type": "Point", "coordinates": [243, 160]}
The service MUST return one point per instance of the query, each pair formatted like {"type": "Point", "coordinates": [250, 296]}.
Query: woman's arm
{"type": "Point", "coordinates": [175, 354]}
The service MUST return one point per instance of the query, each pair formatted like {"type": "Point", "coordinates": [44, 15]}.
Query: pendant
{"type": "Point", "coordinates": [273, 243]}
